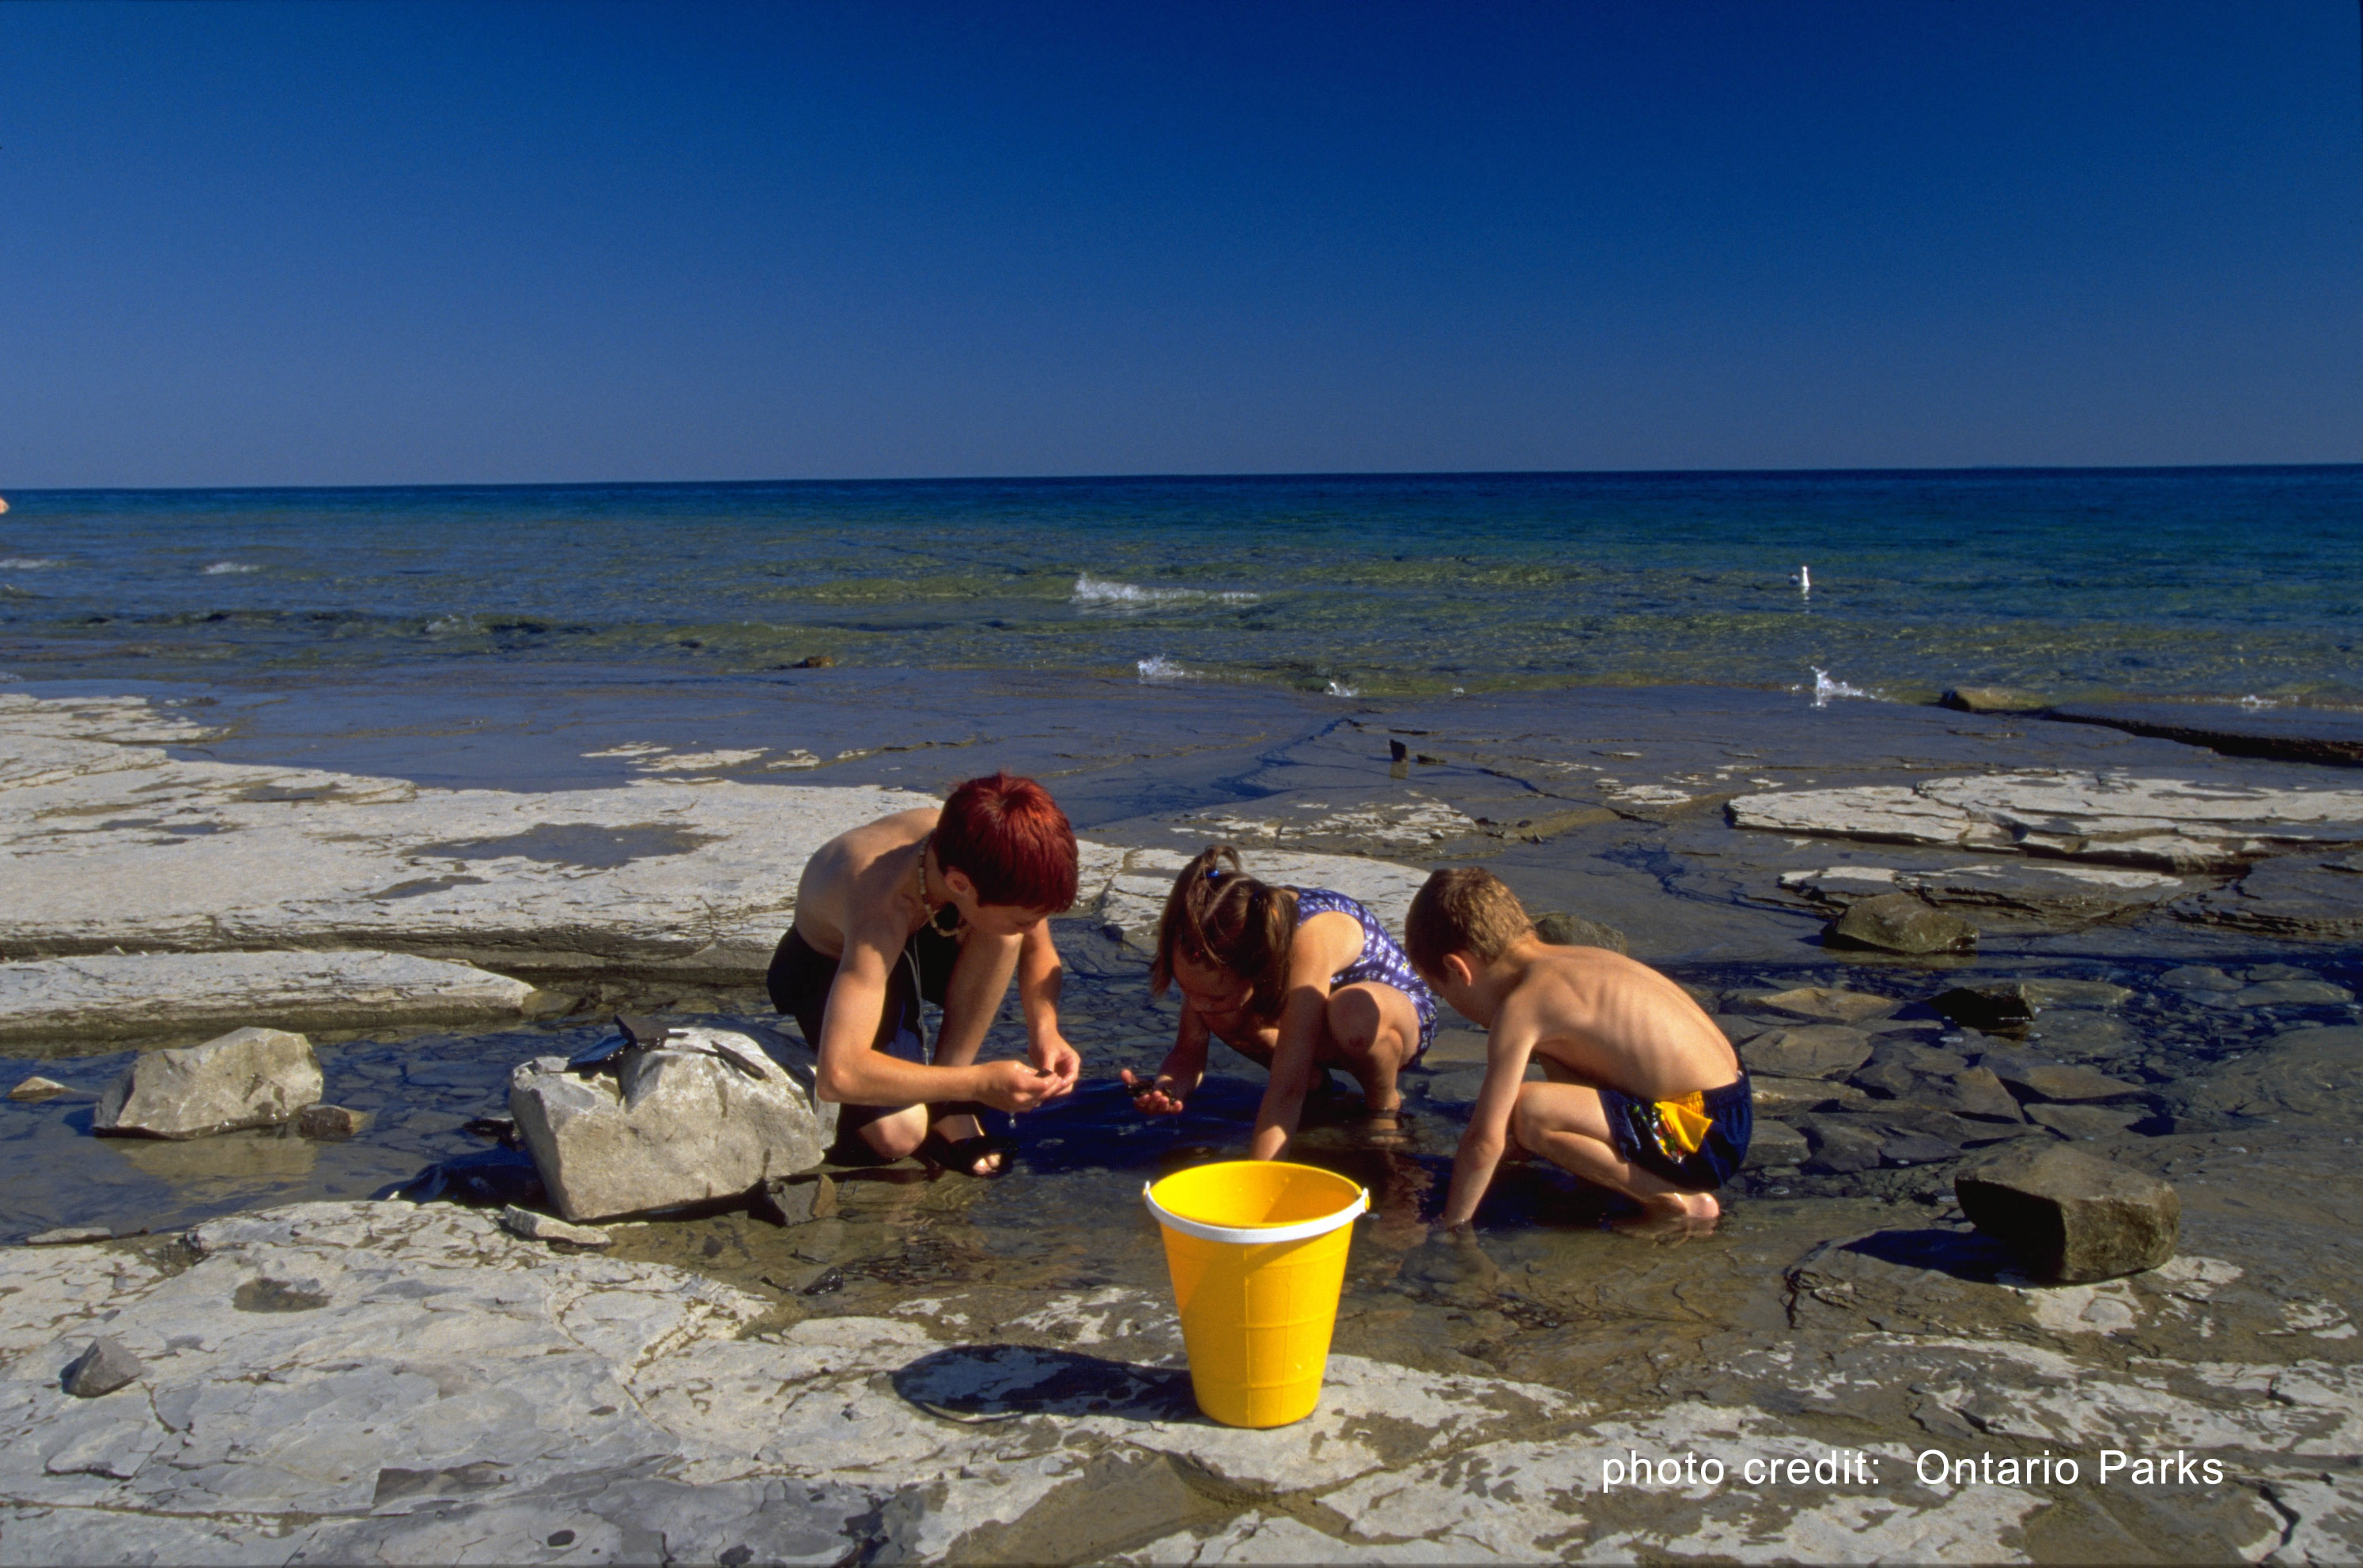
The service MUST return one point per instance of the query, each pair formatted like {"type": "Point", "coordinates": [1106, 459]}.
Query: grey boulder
{"type": "Point", "coordinates": [708, 1114]}
{"type": "Point", "coordinates": [248, 1077]}
{"type": "Point", "coordinates": [2069, 1218]}
{"type": "Point", "coordinates": [104, 1367]}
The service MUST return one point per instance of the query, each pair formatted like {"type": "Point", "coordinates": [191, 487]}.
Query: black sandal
{"type": "Point", "coordinates": [963, 1156]}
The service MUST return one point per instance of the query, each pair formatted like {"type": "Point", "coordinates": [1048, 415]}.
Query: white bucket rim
{"type": "Point", "coordinates": [1258, 1235]}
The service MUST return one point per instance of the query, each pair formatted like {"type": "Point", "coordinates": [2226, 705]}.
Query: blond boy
{"type": "Point", "coordinates": [1642, 1095]}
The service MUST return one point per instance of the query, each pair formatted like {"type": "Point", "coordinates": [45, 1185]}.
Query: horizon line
{"type": "Point", "coordinates": [1167, 477]}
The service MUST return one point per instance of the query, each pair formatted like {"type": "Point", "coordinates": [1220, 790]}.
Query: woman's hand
{"type": "Point", "coordinates": [1050, 1054]}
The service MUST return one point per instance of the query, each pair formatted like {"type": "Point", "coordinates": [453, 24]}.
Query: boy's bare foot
{"type": "Point", "coordinates": [1673, 1217]}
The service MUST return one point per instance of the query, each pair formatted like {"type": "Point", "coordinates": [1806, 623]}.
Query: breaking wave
{"type": "Point", "coordinates": [1104, 592]}
{"type": "Point", "coordinates": [229, 569]}
{"type": "Point", "coordinates": [1157, 668]}
{"type": "Point", "coordinates": [27, 563]}
{"type": "Point", "coordinates": [1826, 688]}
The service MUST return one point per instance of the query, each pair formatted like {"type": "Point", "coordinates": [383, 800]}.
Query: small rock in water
{"type": "Point", "coordinates": [329, 1123]}
{"type": "Point", "coordinates": [543, 1228]}
{"type": "Point", "coordinates": [1900, 922]}
{"type": "Point", "coordinates": [1563, 930]}
{"type": "Point", "coordinates": [1979, 1091]}
{"type": "Point", "coordinates": [1915, 1149]}
{"type": "Point", "coordinates": [248, 1077]}
{"type": "Point", "coordinates": [1991, 700]}
{"type": "Point", "coordinates": [792, 1201]}
{"type": "Point", "coordinates": [1814, 1051]}
{"type": "Point", "coordinates": [1833, 1002]}
{"type": "Point", "coordinates": [2199, 977]}
{"type": "Point", "coordinates": [69, 1235]}
{"type": "Point", "coordinates": [2070, 1218]}
{"type": "Point", "coordinates": [1843, 1145]}
{"type": "Point", "coordinates": [2054, 1080]}
{"type": "Point", "coordinates": [104, 1367]}
{"type": "Point", "coordinates": [2082, 1121]}
{"type": "Point", "coordinates": [1991, 1009]}
{"type": "Point", "coordinates": [2073, 993]}
{"type": "Point", "coordinates": [1772, 1094]}
{"type": "Point", "coordinates": [37, 1088]}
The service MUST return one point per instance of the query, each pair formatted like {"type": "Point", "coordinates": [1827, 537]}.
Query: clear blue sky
{"type": "Point", "coordinates": [383, 244]}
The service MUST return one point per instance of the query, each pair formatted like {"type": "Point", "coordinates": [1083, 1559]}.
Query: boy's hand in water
{"type": "Point", "coordinates": [1016, 1086]}
{"type": "Point", "coordinates": [1153, 1097]}
{"type": "Point", "coordinates": [1052, 1055]}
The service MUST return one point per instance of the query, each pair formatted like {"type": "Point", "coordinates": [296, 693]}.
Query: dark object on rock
{"type": "Point", "coordinates": [1814, 1051]}
{"type": "Point", "coordinates": [329, 1123]}
{"type": "Point", "coordinates": [816, 661]}
{"type": "Point", "coordinates": [104, 1367]}
{"type": "Point", "coordinates": [2069, 1218]}
{"type": "Point", "coordinates": [792, 1201]}
{"type": "Point", "coordinates": [491, 1178]}
{"type": "Point", "coordinates": [69, 1235]}
{"type": "Point", "coordinates": [1992, 1010]}
{"type": "Point", "coordinates": [1990, 699]}
{"type": "Point", "coordinates": [35, 1089]}
{"type": "Point", "coordinates": [499, 1129]}
{"type": "Point", "coordinates": [1900, 922]}
{"type": "Point", "coordinates": [2056, 1080]}
{"type": "Point", "coordinates": [1562, 929]}
{"type": "Point", "coordinates": [1398, 752]}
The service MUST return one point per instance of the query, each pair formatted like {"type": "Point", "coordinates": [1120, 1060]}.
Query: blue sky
{"type": "Point", "coordinates": [357, 244]}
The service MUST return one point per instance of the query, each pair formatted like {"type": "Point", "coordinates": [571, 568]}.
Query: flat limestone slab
{"type": "Point", "coordinates": [116, 995]}
{"type": "Point", "coordinates": [108, 841]}
{"type": "Point", "coordinates": [2172, 824]}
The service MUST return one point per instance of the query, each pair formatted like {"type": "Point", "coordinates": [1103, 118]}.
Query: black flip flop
{"type": "Point", "coordinates": [963, 1156]}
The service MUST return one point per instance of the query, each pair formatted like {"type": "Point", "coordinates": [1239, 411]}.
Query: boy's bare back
{"type": "Point", "coordinates": [1599, 1018]}
{"type": "Point", "coordinates": [865, 870]}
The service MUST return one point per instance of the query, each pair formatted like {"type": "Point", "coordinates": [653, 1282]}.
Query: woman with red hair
{"type": "Point", "coordinates": [944, 906]}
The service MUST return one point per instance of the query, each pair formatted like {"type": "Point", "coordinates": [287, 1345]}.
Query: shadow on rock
{"type": "Point", "coordinates": [1000, 1382]}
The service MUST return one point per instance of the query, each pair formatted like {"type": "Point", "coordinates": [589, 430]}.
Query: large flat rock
{"type": "Point", "coordinates": [108, 839]}
{"type": "Point", "coordinates": [117, 996]}
{"type": "Point", "coordinates": [2173, 824]}
{"type": "Point", "coordinates": [2332, 736]}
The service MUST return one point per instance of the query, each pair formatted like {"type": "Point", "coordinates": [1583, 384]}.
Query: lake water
{"type": "Point", "coordinates": [2223, 583]}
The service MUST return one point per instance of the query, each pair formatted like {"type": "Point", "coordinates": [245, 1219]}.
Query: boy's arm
{"type": "Point", "coordinates": [1177, 1077]}
{"type": "Point", "coordinates": [1324, 945]}
{"type": "Point", "coordinates": [1507, 1050]}
{"type": "Point", "coordinates": [1039, 977]}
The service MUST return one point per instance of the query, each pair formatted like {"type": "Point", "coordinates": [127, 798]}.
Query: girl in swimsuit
{"type": "Point", "coordinates": [1299, 980]}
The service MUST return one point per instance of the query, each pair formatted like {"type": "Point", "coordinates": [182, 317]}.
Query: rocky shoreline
{"type": "Point", "coordinates": [2162, 975]}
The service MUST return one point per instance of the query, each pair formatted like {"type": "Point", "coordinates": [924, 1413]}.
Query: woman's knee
{"type": "Point", "coordinates": [896, 1136]}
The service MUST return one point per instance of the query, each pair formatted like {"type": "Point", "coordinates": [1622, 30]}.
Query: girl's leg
{"type": "Point", "coordinates": [1566, 1125]}
{"type": "Point", "coordinates": [1372, 1033]}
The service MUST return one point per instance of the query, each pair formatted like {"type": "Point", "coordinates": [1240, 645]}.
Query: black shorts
{"type": "Point", "coordinates": [801, 978]}
{"type": "Point", "coordinates": [1731, 1115]}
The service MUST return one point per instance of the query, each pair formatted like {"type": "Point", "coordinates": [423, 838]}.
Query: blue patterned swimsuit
{"type": "Point", "coordinates": [1382, 960]}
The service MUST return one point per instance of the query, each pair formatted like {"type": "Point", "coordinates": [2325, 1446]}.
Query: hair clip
{"type": "Point", "coordinates": [1214, 873]}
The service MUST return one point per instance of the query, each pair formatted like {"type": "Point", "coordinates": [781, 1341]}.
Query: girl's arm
{"type": "Point", "coordinates": [1183, 1070]}
{"type": "Point", "coordinates": [1323, 946]}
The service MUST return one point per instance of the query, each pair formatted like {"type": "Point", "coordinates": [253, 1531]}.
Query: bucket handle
{"type": "Point", "coordinates": [1258, 1235]}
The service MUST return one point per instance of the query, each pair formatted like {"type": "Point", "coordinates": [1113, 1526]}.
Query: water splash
{"type": "Point", "coordinates": [1825, 688]}
{"type": "Point", "coordinates": [1104, 592]}
{"type": "Point", "coordinates": [1157, 668]}
{"type": "Point", "coordinates": [229, 569]}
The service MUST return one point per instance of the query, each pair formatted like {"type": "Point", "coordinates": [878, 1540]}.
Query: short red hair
{"type": "Point", "coordinates": [1011, 840]}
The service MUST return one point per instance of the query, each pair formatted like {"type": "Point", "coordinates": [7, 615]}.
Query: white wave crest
{"type": "Point", "coordinates": [1825, 688]}
{"type": "Point", "coordinates": [1339, 688]}
{"type": "Point", "coordinates": [442, 625]}
{"type": "Point", "coordinates": [229, 569]}
{"type": "Point", "coordinates": [28, 563]}
{"type": "Point", "coordinates": [1157, 668]}
{"type": "Point", "coordinates": [1107, 592]}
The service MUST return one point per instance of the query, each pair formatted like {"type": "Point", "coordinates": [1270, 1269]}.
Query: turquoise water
{"type": "Point", "coordinates": [2200, 582]}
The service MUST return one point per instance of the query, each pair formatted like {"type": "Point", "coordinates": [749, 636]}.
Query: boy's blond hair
{"type": "Point", "coordinates": [1462, 909]}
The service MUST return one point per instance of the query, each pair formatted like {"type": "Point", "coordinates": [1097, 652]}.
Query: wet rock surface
{"type": "Point", "coordinates": [130, 997]}
{"type": "Point", "coordinates": [936, 1368]}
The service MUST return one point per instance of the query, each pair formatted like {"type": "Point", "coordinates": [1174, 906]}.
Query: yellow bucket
{"type": "Point", "coordinates": [1257, 1253]}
